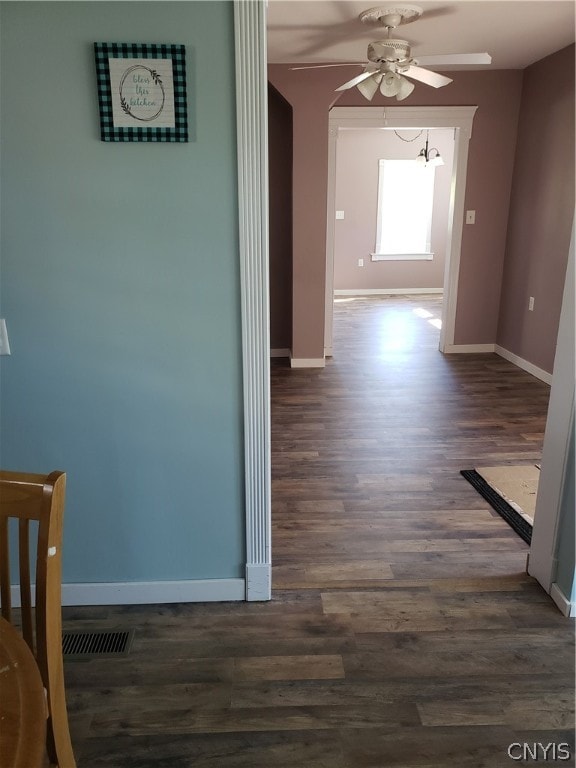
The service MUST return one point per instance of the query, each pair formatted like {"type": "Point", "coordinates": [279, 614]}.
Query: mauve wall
{"type": "Point", "coordinates": [541, 211]}
{"type": "Point", "coordinates": [491, 157]}
{"type": "Point", "coordinates": [359, 151]}
{"type": "Point", "coordinates": [280, 224]}
{"type": "Point", "coordinates": [310, 100]}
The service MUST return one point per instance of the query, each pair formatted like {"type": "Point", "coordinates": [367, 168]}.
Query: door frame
{"type": "Point", "coordinates": [458, 118]}
{"type": "Point", "coordinates": [251, 92]}
{"type": "Point", "coordinates": [542, 560]}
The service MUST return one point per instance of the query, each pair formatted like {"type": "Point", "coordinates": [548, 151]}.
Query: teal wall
{"type": "Point", "coordinates": [121, 293]}
{"type": "Point", "coordinates": [565, 575]}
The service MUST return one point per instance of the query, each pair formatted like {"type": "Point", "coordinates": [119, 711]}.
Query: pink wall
{"type": "Point", "coordinates": [541, 211]}
{"type": "Point", "coordinates": [497, 95]}
{"type": "Point", "coordinates": [280, 223]}
{"type": "Point", "coordinates": [358, 153]}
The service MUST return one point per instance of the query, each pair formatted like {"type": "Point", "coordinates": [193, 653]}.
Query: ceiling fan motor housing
{"type": "Point", "coordinates": [381, 51]}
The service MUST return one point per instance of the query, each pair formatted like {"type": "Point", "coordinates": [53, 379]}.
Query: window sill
{"type": "Point", "coordinates": [401, 256]}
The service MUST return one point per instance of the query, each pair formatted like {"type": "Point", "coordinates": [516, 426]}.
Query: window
{"type": "Point", "coordinates": [405, 199]}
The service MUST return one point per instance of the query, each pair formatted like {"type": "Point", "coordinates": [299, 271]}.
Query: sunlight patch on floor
{"type": "Point", "coordinates": [423, 313]}
{"type": "Point", "coordinates": [397, 333]}
{"type": "Point", "coordinates": [350, 298]}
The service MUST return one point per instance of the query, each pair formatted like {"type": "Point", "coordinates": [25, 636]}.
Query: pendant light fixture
{"type": "Point", "coordinates": [426, 158]}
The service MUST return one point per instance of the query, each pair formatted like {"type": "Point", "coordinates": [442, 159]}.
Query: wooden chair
{"type": "Point", "coordinates": [39, 498]}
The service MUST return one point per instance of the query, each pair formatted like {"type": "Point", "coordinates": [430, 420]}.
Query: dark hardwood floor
{"type": "Point", "coordinates": [403, 629]}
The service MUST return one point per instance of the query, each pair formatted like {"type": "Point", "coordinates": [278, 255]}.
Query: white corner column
{"type": "Point", "coordinates": [252, 144]}
{"type": "Point", "coordinates": [542, 563]}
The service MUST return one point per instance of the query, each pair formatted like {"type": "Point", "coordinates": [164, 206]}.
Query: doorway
{"type": "Point", "coordinates": [392, 214]}
{"type": "Point", "coordinates": [250, 46]}
{"type": "Point", "coordinates": [459, 119]}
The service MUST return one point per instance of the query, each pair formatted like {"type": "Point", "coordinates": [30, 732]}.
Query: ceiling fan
{"type": "Point", "coordinates": [390, 61]}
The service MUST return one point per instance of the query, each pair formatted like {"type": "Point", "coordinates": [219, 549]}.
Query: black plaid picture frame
{"type": "Point", "coordinates": [127, 115]}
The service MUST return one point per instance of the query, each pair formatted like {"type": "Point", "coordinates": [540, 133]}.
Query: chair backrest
{"type": "Point", "coordinates": [40, 498]}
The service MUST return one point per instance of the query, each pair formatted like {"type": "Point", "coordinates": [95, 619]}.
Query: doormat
{"type": "Point", "coordinates": [514, 519]}
{"type": "Point", "coordinates": [517, 484]}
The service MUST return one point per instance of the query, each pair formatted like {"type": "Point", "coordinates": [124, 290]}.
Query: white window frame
{"type": "Point", "coordinates": [380, 252]}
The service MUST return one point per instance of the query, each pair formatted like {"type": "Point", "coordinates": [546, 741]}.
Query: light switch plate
{"type": "Point", "coordinates": [339, 214]}
{"type": "Point", "coordinates": [470, 217]}
{"type": "Point", "coordinates": [4, 343]}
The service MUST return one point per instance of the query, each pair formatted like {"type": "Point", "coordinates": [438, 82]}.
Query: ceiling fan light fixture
{"type": "Point", "coordinates": [369, 87]}
{"type": "Point", "coordinates": [406, 88]}
{"type": "Point", "coordinates": [392, 59]}
{"type": "Point", "coordinates": [390, 85]}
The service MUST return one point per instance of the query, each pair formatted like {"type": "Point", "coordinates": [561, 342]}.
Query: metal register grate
{"type": "Point", "coordinates": [98, 644]}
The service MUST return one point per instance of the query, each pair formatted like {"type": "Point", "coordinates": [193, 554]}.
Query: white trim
{"type": "Point", "coordinates": [330, 240]}
{"type": "Point", "coordinates": [510, 356]}
{"type": "Point", "coordinates": [567, 607]}
{"type": "Point", "coordinates": [402, 256]}
{"type": "Point", "coordinates": [472, 349]}
{"type": "Point", "coordinates": [281, 352]}
{"type": "Point", "coordinates": [385, 291]}
{"type": "Point", "coordinates": [459, 118]}
{"type": "Point", "coordinates": [147, 592]}
{"type": "Point", "coordinates": [409, 117]}
{"type": "Point", "coordinates": [559, 427]}
{"type": "Point", "coordinates": [259, 581]}
{"type": "Point", "coordinates": [539, 373]}
{"type": "Point", "coordinates": [252, 151]}
{"type": "Point", "coordinates": [307, 362]}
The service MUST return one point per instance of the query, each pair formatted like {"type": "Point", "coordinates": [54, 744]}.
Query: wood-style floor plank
{"type": "Point", "coordinates": [403, 629]}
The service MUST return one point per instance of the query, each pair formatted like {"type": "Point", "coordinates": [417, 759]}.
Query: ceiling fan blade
{"type": "Point", "coordinates": [325, 66]}
{"type": "Point", "coordinates": [426, 76]}
{"type": "Point", "coordinates": [355, 81]}
{"type": "Point", "coordinates": [451, 59]}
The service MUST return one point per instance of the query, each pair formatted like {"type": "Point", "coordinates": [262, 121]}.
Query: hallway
{"type": "Point", "coordinates": [403, 630]}
{"type": "Point", "coordinates": [367, 454]}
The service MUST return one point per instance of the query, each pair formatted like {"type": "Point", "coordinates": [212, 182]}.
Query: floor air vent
{"type": "Point", "coordinates": [99, 644]}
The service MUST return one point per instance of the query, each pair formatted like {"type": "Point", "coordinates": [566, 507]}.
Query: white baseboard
{"type": "Point", "coordinates": [471, 349]}
{"type": "Point", "coordinates": [567, 607]}
{"type": "Point", "coordinates": [539, 373]}
{"type": "Point", "coordinates": [280, 353]}
{"type": "Point", "coordinates": [258, 581]}
{"type": "Point", "coordinates": [145, 592]}
{"type": "Point", "coordinates": [384, 291]}
{"type": "Point", "coordinates": [308, 362]}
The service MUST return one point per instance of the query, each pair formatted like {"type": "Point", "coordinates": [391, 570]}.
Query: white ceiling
{"type": "Point", "coordinates": [515, 32]}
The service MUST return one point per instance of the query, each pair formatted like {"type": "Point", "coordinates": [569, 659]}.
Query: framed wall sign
{"type": "Point", "coordinates": [142, 92]}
